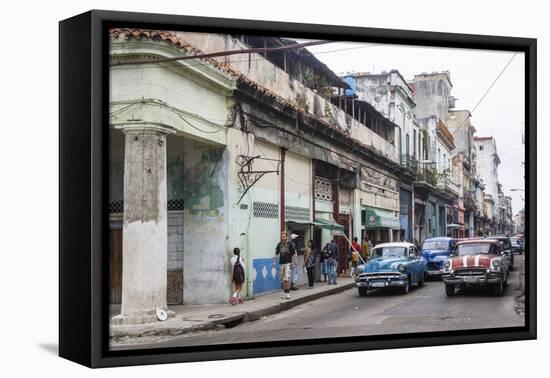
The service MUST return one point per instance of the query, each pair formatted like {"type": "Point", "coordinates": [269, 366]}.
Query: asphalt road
{"type": "Point", "coordinates": [382, 312]}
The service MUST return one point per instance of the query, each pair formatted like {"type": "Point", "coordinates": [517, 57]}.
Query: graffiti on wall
{"type": "Point", "coordinates": [198, 182]}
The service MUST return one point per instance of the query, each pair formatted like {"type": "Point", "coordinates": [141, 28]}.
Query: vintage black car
{"type": "Point", "coordinates": [506, 246]}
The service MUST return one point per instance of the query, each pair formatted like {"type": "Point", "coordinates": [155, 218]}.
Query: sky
{"type": "Point", "coordinates": [500, 114]}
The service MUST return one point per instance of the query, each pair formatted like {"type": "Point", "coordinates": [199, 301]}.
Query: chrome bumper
{"type": "Point", "coordinates": [381, 280]}
{"type": "Point", "coordinates": [477, 280]}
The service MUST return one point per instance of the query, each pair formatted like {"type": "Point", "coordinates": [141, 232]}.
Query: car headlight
{"type": "Point", "coordinates": [401, 268]}
{"type": "Point", "coordinates": [447, 264]}
{"type": "Point", "coordinates": [495, 263]}
{"type": "Point", "coordinates": [360, 269]}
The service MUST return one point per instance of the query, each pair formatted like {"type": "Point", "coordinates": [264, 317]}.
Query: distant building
{"type": "Point", "coordinates": [487, 167]}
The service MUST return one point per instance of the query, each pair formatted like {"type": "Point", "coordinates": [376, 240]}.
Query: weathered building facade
{"type": "Point", "coordinates": [210, 154]}
{"type": "Point", "coordinates": [392, 97]}
{"type": "Point", "coordinates": [487, 167]}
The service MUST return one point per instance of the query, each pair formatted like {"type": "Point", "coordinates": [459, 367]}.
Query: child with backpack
{"type": "Point", "coordinates": [237, 267]}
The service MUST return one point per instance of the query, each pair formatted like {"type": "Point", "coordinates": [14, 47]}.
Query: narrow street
{"type": "Point", "coordinates": [382, 312]}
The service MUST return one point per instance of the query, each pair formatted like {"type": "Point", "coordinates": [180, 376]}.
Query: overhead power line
{"type": "Point", "coordinates": [485, 94]}
{"type": "Point", "coordinates": [224, 53]}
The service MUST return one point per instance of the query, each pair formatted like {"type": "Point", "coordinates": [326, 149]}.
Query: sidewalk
{"type": "Point", "coordinates": [192, 318]}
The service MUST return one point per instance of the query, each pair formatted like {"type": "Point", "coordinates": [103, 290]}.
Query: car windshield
{"type": "Point", "coordinates": [390, 252]}
{"type": "Point", "coordinates": [473, 249]}
{"type": "Point", "coordinates": [504, 242]}
{"type": "Point", "coordinates": [435, 244]}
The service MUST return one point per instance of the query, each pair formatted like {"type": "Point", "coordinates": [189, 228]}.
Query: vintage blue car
{"type": "Point", "coordinates": [391, 265]}
{"type": "Point", "coordinates": [435, 251]}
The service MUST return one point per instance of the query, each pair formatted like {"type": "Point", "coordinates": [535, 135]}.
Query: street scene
{"type": "Point", "coordinates": [424, 310]}
{"type": "Point", "coordinates": [270, 188]}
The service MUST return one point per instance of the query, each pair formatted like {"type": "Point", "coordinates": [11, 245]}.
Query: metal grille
{"type": "Point", "coordinates": [116, 207]}
{"type": "Point", "coordinates": [323, 189]}
{"type": "Point", "coordinates": [175, 204]}
{"type": "Point", "coordinates": [433, 266]}
{"type": "Point", "coordinates": [265, 210]}
{"type": "Point", "coordinates": [470, 272]}
{"type": "Point", "coordinates": [294, 213]}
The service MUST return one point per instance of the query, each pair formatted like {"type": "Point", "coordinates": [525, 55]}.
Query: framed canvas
{"type": "Point", "coordinates": [235, 188]}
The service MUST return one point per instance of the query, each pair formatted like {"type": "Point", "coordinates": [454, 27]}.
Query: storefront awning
{"type": "Point", "coordinates": [376, 218]}
{"type": "Point", "coordinates": [328, 225]}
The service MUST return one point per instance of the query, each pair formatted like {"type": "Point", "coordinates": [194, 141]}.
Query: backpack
{"type": "Point", "coordinates": [238, 272]}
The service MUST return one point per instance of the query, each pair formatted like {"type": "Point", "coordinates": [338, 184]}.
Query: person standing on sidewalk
{"type": "Point", "coordinates": [309, 263]}
{"type": "Point", "coordinates": [332, 262]}
{"type": "Point", "coordinates": [294, 263]}
{"type": "Point", "coordinates": [237, 268]}
{"type": "Point", "coordinates": [365, 248]}
{"type": "Point", "coordinates": [285, 250]}
{"type": "Point", "coordinates": [354, 255]}
{"type": "Point", "coordinates": [325, 254]}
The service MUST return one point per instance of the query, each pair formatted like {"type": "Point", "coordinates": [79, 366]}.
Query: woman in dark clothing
{"type": "Point", "coordinates": [309, 263]}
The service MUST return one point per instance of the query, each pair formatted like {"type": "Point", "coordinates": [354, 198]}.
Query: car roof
{"type": "Point", "coordinates": [497, 237]}
{"type": "Point", "coordinates": [395, 244]}
{"type": "Point", "coordinates": [478, 241]}
{"type": "Point", "coordinates": [445, 238]}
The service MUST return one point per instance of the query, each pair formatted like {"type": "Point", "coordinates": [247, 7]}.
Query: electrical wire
{"type": "Point", "coordinates": [198, 63]}
{"type": "Point", "coordinates": [197, 128]}
{"type": "Point", "coordinates": [224, 53]}
{"type": "Point", "coordinates": [485, 94]}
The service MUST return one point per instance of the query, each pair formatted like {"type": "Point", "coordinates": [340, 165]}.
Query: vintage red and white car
{"type": "Point", "coordinates": [476, 263]}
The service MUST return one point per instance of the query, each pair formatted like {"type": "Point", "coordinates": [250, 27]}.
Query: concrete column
{"type": "Point", "coordinates": [356, 211]}
{"type": "Point", "coordinates": [145, 240]}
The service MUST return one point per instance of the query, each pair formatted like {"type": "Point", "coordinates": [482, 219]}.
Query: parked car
{"type": "Point", "coordinates": [506, 247]}
{"type": "Point", "coordinates": [392, 265]}
{"type": "Point", "coordinates": [517, 245]}
{"type": "Point", "coordinates": [476, 263]}
{"type": "Point", "coordinates": [435, 251]}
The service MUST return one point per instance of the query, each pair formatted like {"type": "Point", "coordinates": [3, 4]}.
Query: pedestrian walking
{"type": "Point", "coordinates": [325, 254]}
{"type": "Point", "coordinates": [309, 263]}
{"type": "Point", "coordinates": [237, 268]}
{"type": "Point", "coordinates": [294, 263]}
{"type": "Point", "coordinates": [365, 248]}
{"type": "Point", "coordinates": [284, 250]}
{"type": "Point", "coordinates": [332, 262]}
{"type": "Point", "coordinates": [354, 255]}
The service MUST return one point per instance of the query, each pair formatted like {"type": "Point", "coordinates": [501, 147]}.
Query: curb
{"type": "Point", "coordinates": [174, 327]}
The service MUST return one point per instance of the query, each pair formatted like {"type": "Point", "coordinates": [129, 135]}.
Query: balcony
{"type": "Point", "coordinates": [427, 175]}
{"type": "Point", "coordinates": [409, 163]}
{"type": "Point", "coordinates": [469, 201]}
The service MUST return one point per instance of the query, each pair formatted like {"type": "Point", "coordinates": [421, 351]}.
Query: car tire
{"type": "Point", "coordinates": [450, 290]}
{"type": "Point", "coordinates": [498, 289]}
{"type": "Point", "coordinates": [422, 279]}
{"type": "Point", "coordinates": [363, 291]}
{"type": "Point", "coordinates": [405, 289]}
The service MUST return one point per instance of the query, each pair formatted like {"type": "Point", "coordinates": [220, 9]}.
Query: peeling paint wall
{"type": "Point", "coordinates": [194, 99]}
{"type": "Point", "coordinates": [432, 95]}
{"type": "Point", "coordinates": [205, 223]}
{"type": "Point", "coordinates": [391, 96]}
{"type": "Point", "coordinates": [276, 80]}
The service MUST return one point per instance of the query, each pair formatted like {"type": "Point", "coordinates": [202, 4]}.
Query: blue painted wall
{"type": "Point", "coordinates": [270, 282]}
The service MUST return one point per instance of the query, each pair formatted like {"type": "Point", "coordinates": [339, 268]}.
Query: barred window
{"type": "Point", "coordinates": [265, 210]}
{"type": "Point", "coordinates": [323, 189]}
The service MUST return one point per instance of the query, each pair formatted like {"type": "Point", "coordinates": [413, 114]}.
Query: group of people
{"type": "Point", "coordinates": [287, 253]}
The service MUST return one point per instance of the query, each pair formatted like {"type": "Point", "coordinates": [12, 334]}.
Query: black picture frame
{"type": "Point", "coordinates": [83, 142]}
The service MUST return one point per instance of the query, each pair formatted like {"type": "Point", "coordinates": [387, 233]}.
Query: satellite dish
{"type": "Point", "coordinates": [162, 313]}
